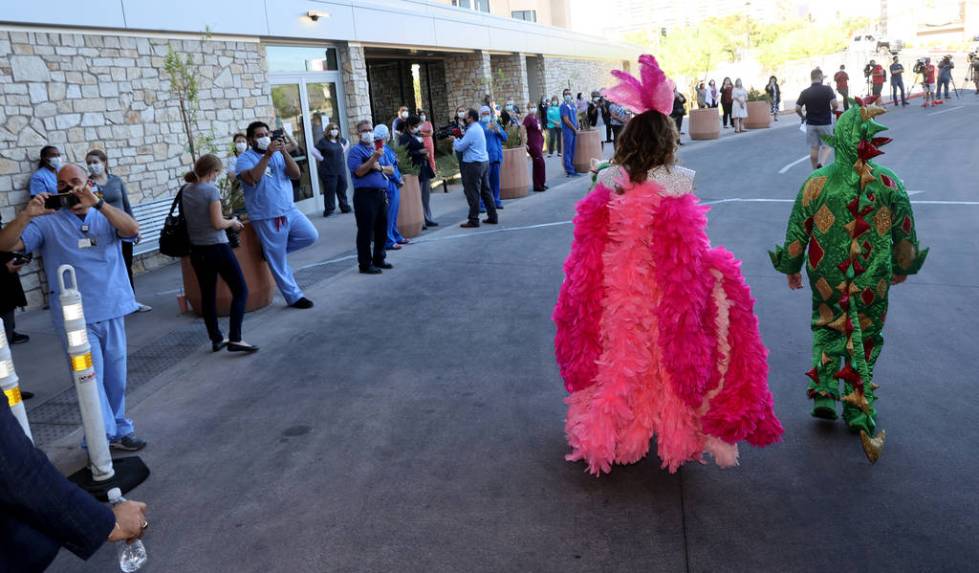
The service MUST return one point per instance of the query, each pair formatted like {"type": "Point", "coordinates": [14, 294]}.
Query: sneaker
{"type": "Point", "coordinates": [385, 266]}
{"type": "Point", "coordinates": [302, 303]}
{"type": "Point", "coordinates": [140, 307]}
{"type": "Point", "coordinates": [19, 338]}
{"type": "Point", "coordinates": [491, 221]}
{"type": "Point", "coordinates": [470, 225]}
{"type": "Point", "coordinates": [431, 224]}
{"type": "Point", "coordinates": [370, 270]}
{"type": "Point", "coordinates": [128, 443]}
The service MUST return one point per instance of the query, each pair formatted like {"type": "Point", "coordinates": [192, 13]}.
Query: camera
{"type": "Point", "coordinates": [867, 70]}
{"type": "Point", "coordinates": [278, 134]}
{"type": "Point", "coordinates": [61, 201]}
{"type": "Point", "coordinates": [919, 66]}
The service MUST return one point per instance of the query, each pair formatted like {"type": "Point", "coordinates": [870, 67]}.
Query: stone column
{"type": "Point", "coordinates": [510, 78]}
{"type": "Point", "coordinates": [356, 94]}
{"type": "Point", "coordinates": [468, 79]}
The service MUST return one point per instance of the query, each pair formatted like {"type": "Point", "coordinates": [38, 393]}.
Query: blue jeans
{"type": "Point", "coordinates": [896, 85]}
{"type": "Point", "coordinates": [281, 236]}
{"type": "Point", "coordinates": [570, 138]}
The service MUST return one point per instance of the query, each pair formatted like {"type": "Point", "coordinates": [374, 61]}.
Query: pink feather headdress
{"type": "Point", "coordinates": [654, 91]}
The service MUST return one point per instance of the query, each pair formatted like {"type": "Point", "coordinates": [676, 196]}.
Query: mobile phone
{"type": "Point", "coordinates": [277, 134]}
{"type": "Point", "coordinates": [379, 144]}
{"type": "Point", "coordinates": [60, 200]}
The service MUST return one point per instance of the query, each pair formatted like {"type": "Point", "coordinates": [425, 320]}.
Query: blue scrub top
{"type": "Point", "coordinates": [374, 179]}
{"type": "Point", "coordinates": [569, 111]}
{"type": "Point", "coordinates": [391, 158]}
{"type": "Point", "coordinates": [43, 181]}
{"type": "Point", "coordinates": [272, 196]}
{"type": "Point", "coordinates": [494, 142]}
{"type": "Point", "coordinates": [99, 269]}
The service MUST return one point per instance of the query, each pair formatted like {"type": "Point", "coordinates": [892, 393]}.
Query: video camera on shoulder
{"type": "Point", "coordinates": [919, 66]}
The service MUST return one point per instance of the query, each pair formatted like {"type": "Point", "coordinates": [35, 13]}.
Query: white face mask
{"type": "Point", "coordinates": [334, 133]}
{"type": "Point", "coordinates": [55, 163]}
{"type": "Point", "coordinates": [422, 117]}
{"type": "Point", "coordinates": [461, 114]}
{"type": "Point", "coordinates": [241, 146]}
{"type": "Point", "coordinates": [263, 142]}
{"type": "Point", "coordinates": [404, 115]}
{"type": "Point", "coordinates": [96, 168]}
{"type": "Point", "coordinates": [367, 137]}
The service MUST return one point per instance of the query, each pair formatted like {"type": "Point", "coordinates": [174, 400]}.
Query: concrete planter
{"type": "Point", "coordinates": [587, 147]}
{"type": "Point", "coordinates": [258, 277]}
{"type": "Point", "coordinates": [514, 174]}
{"type": "Point", "coordinates": [704, 124]}
{"type": "Point", "coordinates": [759, 115]}
{"type": "Point", "coordinates": [411, 218]}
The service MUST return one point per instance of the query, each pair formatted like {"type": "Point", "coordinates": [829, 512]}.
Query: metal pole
{"type": "Point", "coordinates": [80, 354]}
{"type": "Point", "coordinates": [8, 383]}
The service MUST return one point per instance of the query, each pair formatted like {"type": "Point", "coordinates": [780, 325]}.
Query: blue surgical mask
{"type": "Point", "coordinates": [567, 99]}
{"type": "Point", "coordinates": [484, 119]}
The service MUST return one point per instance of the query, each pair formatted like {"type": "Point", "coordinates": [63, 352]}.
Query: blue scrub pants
{"type": "Point", "coordinates": [569, 144]}
{"type": "Point", "coordinates": [394, 204]}
{"type": "Point", "coordinates": [281, 236]}
{"type": "Point", "coordinates": [108, 341]}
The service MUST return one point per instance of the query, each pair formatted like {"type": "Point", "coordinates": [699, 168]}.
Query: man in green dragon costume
{"type": "Point", "coordinates": [853, 226]}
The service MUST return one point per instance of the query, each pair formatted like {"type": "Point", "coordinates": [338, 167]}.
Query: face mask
{"type": "Point", "coordinates": [404, 115]}
{"type": "Point", "coordinates": [241, 146]}
{"type": "Point", "coordinates": [334, 133]}
{"type": "Point", "coordinates": [55, 163]}
{"type": "Point", "coordinates": [485, 119]}
{"type": "Point", "coordinates": [263, 142]}
{"type": "Point", "coordinates": [567, 99]}
{"type": "Point", "coordinates": [461, 114]}
{"type": "Point", "coordinates": [422, 117]}
{"type": "Point", "coordinates": [554, 103]}
{"type": "Point", "coordinates": [96, 168]}
{"type": "Point", "coordinates": [367, 137]}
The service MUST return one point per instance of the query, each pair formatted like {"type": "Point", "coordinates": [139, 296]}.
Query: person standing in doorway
{"type": "Point", "coordinates": [45, 179]}
{"type": "Point", "coordinates": [842, 81]}
{"type": "Point", "coordinates": [113, 190]}
{"type": "Point", "coordinates": [819, 103]}
{"type": "Point", "coordinates": [554, 127]}
{"type": "Point", "coordinates": [727, 101]}
{"type": "Point", "coordinates": [475, 171]}
{"type": "Point", "coordinates": [333, 170]}
{"type": "Point", "coordinates": [370, 182]}
{"type": "Point", "coordinates": [266, 172]}
{"type": "Point", "coordinates": [211, 255]}
{"type": "Point", "coordinates": [569, 127]}
{"type": "Point", "coordinates": [397, 124]}
{"type": "Point", "coordinates": [535, 148]}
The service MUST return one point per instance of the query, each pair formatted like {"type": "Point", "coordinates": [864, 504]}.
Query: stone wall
{"type": "Point", "coordinates": [510, 78]}
{"type": "Point", "coordinates": [468, 79]}
{"type": "Point", "coordinates": [438, 107]}
{"type": "Point", "coordinates": [582, 75]}
{"type": "Point", "coordinates": [390, 87]}
{"type": "Point", "coordinates": [356, 90]}
{"type": "Point", "coordinates": [79, 91]}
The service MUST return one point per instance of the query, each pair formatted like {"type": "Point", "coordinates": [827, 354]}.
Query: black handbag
{"type": "Point", "coordinates": [174, 240]}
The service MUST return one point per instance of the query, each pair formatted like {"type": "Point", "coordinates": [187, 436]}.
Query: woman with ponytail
{"type": "Point", "coordinates": [210, 254]}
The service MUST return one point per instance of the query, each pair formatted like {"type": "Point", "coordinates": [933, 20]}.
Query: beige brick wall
{"type": "Point", "coordinates": [79, 91]}
{"type": "Point", "coordinates": [581, 75]}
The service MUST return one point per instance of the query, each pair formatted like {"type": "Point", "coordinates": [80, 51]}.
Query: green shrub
{"type": "Point", "coordinates": [405, 164]}
{"type": "Point", "coordinates": [755, 95]}
{"type": "Point", "coordinates": [514, 137]}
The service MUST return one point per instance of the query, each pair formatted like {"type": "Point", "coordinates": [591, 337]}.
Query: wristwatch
{"type": "Point", "coordinates": [98, 206]}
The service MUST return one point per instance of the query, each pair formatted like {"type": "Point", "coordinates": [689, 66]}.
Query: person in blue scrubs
{"type": "Point", "coordinates": [87, 236]}
{"type": "Point", "coordinates": [495, 137]}
{"type": "Point", "coordinates": [45, 179]}
{"type": "Point", "coordinates": [266, 172]}
{"type": "Point", "coordinates": [390, 159]}
{"type": "Point", "coordinates": [569, 128]}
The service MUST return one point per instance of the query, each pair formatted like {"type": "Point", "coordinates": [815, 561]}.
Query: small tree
{"type": "Point", "coordinates": [183, 86]}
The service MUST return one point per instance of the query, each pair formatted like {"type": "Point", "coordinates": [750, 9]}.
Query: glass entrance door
{"type": "Point", "coordinates": [287, 105]}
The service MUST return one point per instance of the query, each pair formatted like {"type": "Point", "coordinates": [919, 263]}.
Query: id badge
{"type": "Point", "coordinates": [85, 243]}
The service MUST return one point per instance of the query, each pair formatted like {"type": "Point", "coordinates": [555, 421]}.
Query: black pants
{"type": "Point", "coordinates": [209, 262]}
{"type": "Point", "coordinates": [127, 256]}
{"type": "Point", "coordinates": [334, 191]}
{"type": "Point", "coordinates": [9, 323]}
{"type": "Point", "coordinates": [475, 183]}
{"type": "Point", "coordinates": [608, 131]}
{"type": "Point", "coordinates": [370, 208]}
{"type": "Point", "coordinates": [678, 120]}
{"type": "Point", "coordinates": [616, 130]}
{"type": "Point", "coordinates": [727, 107]}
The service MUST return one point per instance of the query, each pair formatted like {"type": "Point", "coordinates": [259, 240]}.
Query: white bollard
{"type": "Point", "coordinates": [8, 383]}
{"type": "Point", "coordinates": [80, 354]}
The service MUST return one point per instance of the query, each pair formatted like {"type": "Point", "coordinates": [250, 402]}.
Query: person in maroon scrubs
{"type": "Point", "coordinates": [535, 147]}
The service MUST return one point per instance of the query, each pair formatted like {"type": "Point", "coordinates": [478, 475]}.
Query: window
{"type": "Point", "coordinates": [301, 59]}
{"type": "Point", "coordinates": [526, 15]}
{"type": "Point", "coordinates": [479, 5]}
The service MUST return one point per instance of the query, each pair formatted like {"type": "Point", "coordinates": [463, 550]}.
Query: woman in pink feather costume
{"type": "Point", "coordinates": [656, 332]}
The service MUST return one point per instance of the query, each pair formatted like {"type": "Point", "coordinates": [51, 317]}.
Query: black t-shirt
{"type": "Point", "coordinates": [816, 99]}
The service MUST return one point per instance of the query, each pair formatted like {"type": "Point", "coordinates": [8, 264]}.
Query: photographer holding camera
{"type": "Point", "coordinates": [877, 77]}
{"type": "Point", "coordinates": [945, 68]}
{"type": "Point", "coordinates": [974, 69]}
{"type": "Point", "coordinates": [266, 171]}
{"type": "Point", "coordinates": [77, 228]}
{"type": "Point", "coordinates": [926, 69]}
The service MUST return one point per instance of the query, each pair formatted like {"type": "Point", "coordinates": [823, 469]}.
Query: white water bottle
{"type": "Point", "coordinates": [132, 556]}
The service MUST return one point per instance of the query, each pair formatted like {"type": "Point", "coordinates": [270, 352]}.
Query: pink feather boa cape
{"type": "Point", "coordinates": [657, 336]}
